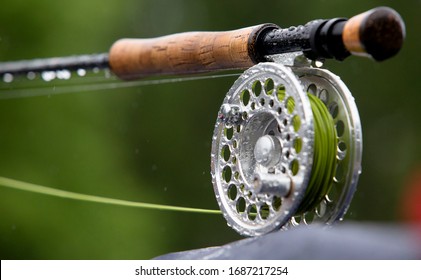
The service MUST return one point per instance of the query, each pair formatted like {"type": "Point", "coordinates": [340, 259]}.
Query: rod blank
{"type": "Point", "coordinates": [57, 63]}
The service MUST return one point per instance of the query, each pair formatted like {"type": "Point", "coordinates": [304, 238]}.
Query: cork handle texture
{"type": "Point", "coordinates": [184, 53]}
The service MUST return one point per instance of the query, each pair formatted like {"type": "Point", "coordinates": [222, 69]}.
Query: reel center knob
{"type": "Point", "coordinates": [267, 151]}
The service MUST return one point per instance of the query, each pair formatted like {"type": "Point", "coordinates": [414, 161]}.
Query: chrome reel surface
{"type": "Point", "coordinates": [262, 148]}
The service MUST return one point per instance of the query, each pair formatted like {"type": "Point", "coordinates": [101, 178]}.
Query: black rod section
{"type": "Point", "coordinates": [318, 39]}
{"type": "Point", "coordinates": [70, 63]}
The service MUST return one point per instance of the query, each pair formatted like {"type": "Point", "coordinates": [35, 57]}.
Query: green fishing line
{"type": "Point", "coordinates": [323, 168]}
{"type": "Point", "coordinates": [324, 158]}
{"type": "Point", "coordinates": [19, 185]}
{"type": "Point", "coordinates": [325, 149]}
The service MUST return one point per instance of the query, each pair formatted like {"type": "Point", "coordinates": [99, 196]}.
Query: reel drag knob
{"type": "Point", "coordinates": [282, 156]}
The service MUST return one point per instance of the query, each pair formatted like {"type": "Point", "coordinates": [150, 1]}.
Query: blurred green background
{"type": "Point", "coordinates": [152, 143]}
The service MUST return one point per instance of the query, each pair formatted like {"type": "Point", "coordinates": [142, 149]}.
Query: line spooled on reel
{"type": "Point", "coordinates": [287, 142]}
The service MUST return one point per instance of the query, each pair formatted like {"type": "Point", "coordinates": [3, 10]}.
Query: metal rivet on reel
{"type": "Point", "coordinates": [263, 148]}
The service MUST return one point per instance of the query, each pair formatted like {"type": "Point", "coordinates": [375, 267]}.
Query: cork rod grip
{"type": "Point", "coordinates": [184, 53]}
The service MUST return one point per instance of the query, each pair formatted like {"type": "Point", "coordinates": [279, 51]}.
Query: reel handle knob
{"type": "Point", "coordinates": [379, 33]}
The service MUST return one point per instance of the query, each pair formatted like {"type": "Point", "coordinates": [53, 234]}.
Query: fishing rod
{"type": "Point", "coordinates": [378, 33]}
{"type": "Point", "coordinates": [287, 142]}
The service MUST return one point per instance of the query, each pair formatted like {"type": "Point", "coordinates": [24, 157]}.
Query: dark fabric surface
{"type": "Point", "coordinates": [344, 241]}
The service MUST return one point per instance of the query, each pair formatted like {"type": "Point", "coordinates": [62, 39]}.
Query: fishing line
{"type": "Point", "coordinates": [324, 160]}
{"type": "Point", "coordinates": [28, 187]}
{"type": "Point", "coordinates": [64, 89]}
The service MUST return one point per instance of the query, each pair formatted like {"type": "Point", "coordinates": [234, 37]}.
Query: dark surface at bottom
{"type": "Point", "coordinates": [344, 241]}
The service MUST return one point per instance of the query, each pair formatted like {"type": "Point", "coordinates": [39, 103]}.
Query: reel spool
{"type": "Point", "coordinates": [263, 149]}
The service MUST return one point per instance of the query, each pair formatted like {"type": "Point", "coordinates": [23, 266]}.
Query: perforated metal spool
{"type": "Point", "coordinates": [253, 108]}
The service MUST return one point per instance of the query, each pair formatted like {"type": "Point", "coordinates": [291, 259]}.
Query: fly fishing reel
{"type": "Point", "coordinates": [286, 148]}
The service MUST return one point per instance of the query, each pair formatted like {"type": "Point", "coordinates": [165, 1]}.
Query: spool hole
{"type": "Point", "coordinates": [309, 217]}
{"type": "Point", "coordinates": [312, 89]}
{"type": "Point", "coordinates": [227, 174]}
{"type": "Point", "coordinates": [324, 96]}
{"type": "Point", "coordinates": [342, 146]}
{"type": "Point", "coordinates": [290, 103]}
{"type": "Point", "coordinates": [245, 97]}
{"type": "Point", "coordinates": [340, 128]}
{"type": "Point", "coordinates": [341, 150]}
{"type": "Point", "coordinates": [296, 220]}
{"type": "Point", "coordinates": [241, 205]}
{"type": "Point", "coordinates": [298, 144]}
{"type": "Point", "coordinates": [232, 192]}
{"type": "Point", "coordinates": [225, 152]}
{"type": "Point", "coordinates": [295, 166]}
{"type": "Point", "coordinates": [264, 211]}
{"type": "Point", "coordinates": [280, 92]}
{"type": "Point", "coordinates": [229, 132]}
{"type": "Point", "coordinates": [257, 88]}
{"type": "Point", "coordinates": [269, 86]}
{"type": "Point", "coordinates": [296, 123]}
{"type": "Point", "coordinates": [234, 144]}
{"type": "Point", "coordinates": [334, 109]}
{"type": "Point", "coordinates": [252, 212]}
{"type": "Point", "coordinates": [244, 116]}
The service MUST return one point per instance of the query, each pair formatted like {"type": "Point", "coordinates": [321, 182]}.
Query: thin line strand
{"type": "Point", "coordinates": [29, 187]}
{"type": "Point", "coordinates": [61, 89]}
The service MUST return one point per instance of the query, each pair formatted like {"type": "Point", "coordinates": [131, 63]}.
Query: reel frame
{"type": "Point", "coordinates": [258, 196]}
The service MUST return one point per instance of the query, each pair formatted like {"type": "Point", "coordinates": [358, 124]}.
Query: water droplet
{"type": "Point", "coordinates": [7, 78]}
{"type": "Point", "coordinates": [318, 63]}
{"type": "Point", "coordinates": [81, 72]}
{"type": "Point", "coordinates": [48, 75]}
{"type": "Point", "coordinates": [63, 74]}
{"type": "Point", "coordinates": [31, 75]}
